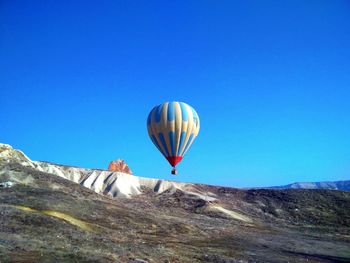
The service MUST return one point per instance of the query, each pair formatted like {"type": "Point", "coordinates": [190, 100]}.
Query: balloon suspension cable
{"type": "Point", "coordinates": [174, 171]}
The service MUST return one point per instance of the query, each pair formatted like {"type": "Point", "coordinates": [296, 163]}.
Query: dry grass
{"type": "Point", "coordinates": [68, 218]}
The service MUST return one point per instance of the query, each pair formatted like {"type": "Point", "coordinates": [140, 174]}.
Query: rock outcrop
{"type": "Point", "coordinates": [119, 166]}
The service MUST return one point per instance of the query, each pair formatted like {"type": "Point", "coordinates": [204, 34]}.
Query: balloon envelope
{"type": "Point", "coordinates": [172, 127]}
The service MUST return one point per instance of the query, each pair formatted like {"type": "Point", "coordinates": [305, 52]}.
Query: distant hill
{"type": "Point", "coordinates": [337, 185]}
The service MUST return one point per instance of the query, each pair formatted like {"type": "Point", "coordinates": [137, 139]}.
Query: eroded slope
{"type": "Point", "coordinates": [47, 218]}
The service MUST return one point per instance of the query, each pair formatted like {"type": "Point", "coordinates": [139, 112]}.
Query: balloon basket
{"type": "Point", "coordinates": [174, 171]}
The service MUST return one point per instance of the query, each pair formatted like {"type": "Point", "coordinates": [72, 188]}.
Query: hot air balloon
{"type": "Point", "coordinates": [172, 127]}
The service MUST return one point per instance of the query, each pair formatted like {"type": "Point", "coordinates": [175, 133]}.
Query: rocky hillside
{"type": "Point", "coordinates": [109, 183]}
{"type": "Point", "coordinates": [56, 213]}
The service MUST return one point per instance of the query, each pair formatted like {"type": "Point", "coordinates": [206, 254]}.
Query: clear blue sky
{"type": "Point", "coordinates": [270, 81]}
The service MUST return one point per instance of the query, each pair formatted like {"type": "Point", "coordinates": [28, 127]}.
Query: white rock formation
{"type": "Point", "coordinates": [114, 184]}
{"type": "Point", "coordinates": [8, 154]}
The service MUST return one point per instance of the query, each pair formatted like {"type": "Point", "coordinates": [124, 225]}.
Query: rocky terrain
{"type": "Point", "coordinates": [56, 213]}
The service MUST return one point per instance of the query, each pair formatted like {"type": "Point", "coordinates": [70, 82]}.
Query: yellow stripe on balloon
{"type": "Point", "coordinates": [178, 125]}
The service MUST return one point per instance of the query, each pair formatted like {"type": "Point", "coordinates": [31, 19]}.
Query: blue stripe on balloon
{"type": "Point", "coordinates": [149, 118]}
{"type": "Point", "coordinates": [154, 140]}
{"type": "Point", "coordinates": [182, 137]}
{"type": "Point", "coordinates": [184, 112]}
{"type": "Point", "coordinates": [162, 140]}
{"type": "Point", "coordinates": [172, 140]}
{"type": "Point", "coordinates": [159, 112]}
{"type": "Point", "coordinates": [171, 111]}
{"type": "Point", "coordinates": [188, 143]}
